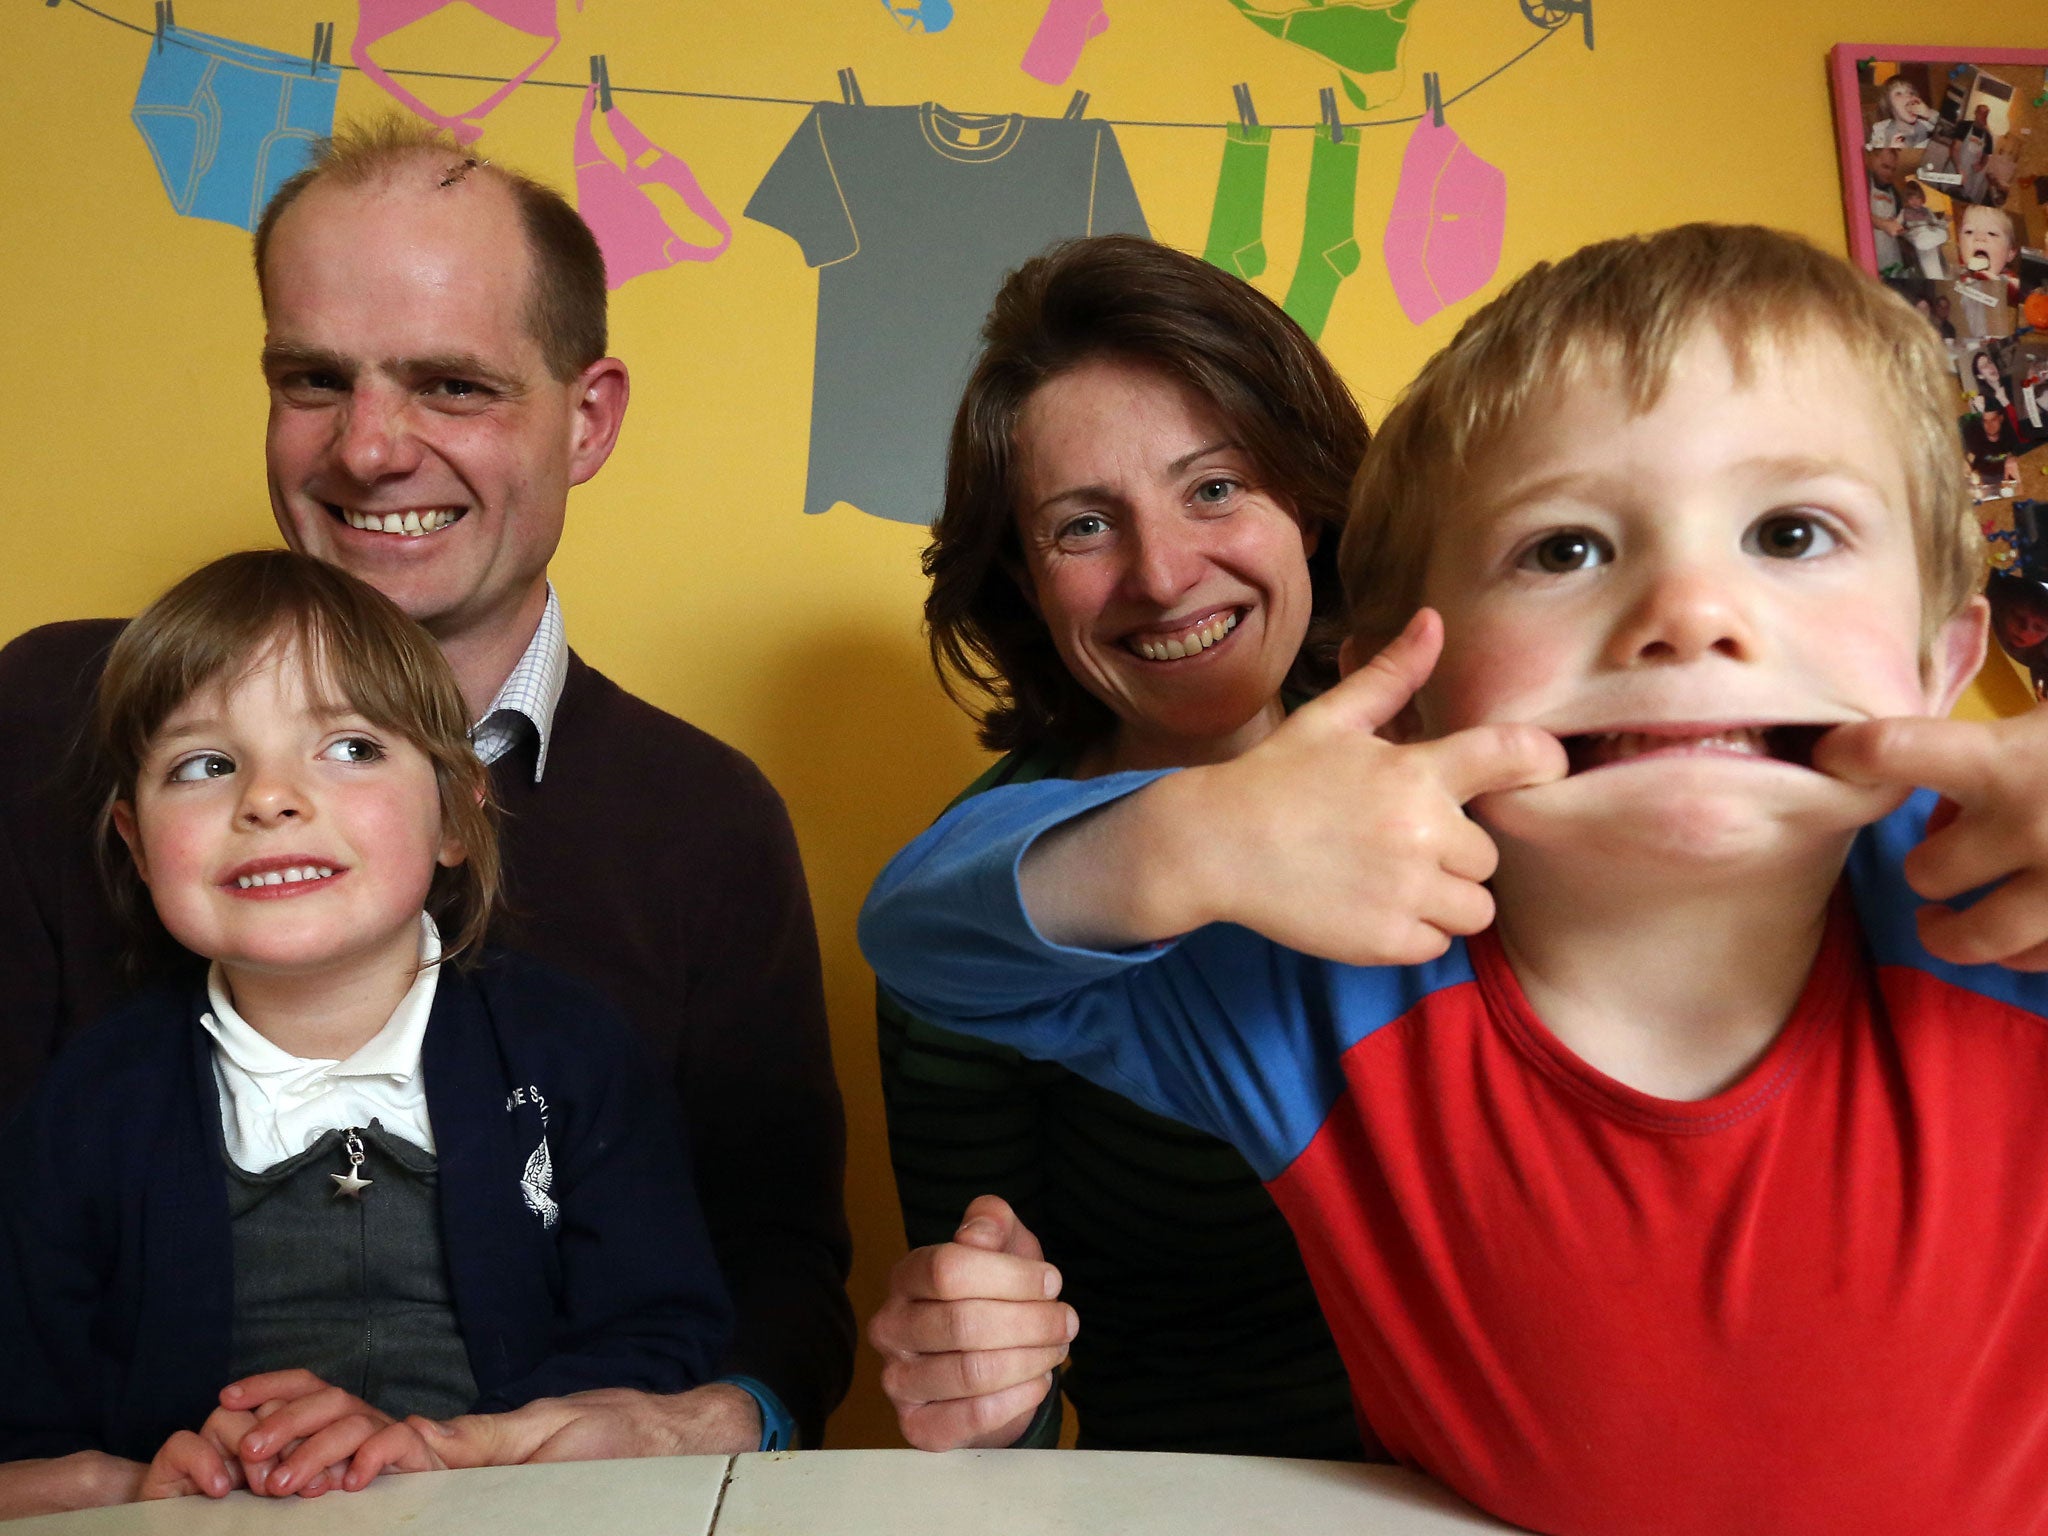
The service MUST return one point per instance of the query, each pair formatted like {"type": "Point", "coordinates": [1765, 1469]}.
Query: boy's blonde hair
{"type": "Point", "coordinates": [1624, 309]}
{"type": "Point", "coordinates": [224, 618]}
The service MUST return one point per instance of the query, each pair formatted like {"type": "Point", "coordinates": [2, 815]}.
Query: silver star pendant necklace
{"type": "Point", "coordinates": [352, 1183]}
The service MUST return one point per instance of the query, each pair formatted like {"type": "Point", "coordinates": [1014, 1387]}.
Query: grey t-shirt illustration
{"type": "Point", "coordinates": [913, 216]}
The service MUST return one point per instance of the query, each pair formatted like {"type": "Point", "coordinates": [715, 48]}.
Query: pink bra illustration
{"type": "Point", "coordinates": [630, 230]}
{"type": "Point", "coordinates": [378, 19]}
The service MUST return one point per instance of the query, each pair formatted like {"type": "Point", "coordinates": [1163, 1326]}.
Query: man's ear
{"type": "Point", "coordinates": [599, 404]}
{"type": "Point", "coordinates": [131, 834]}
{"type": "Point", "coordinates": [1955, 654]}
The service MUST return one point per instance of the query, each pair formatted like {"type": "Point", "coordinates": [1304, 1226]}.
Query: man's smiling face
{"type": "Point", "coordinates": [1686, 596]}
{"type": "Point", "coordinates": [417, 438]}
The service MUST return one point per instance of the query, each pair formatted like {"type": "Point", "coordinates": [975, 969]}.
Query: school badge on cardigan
{"type": "Point", "coordinates": [535, 1183]}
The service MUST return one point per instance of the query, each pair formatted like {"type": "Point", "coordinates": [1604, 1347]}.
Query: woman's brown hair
{"type": "Point", "coordinates": [1118, 296]}
{"type": "Point", "coordinates": [225, 618]}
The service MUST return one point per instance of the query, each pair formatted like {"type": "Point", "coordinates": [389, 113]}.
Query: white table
{"type": "Point", "coordinates": [1079, 1493]}
{"type": "Point", "coordinates": [835, 1493]}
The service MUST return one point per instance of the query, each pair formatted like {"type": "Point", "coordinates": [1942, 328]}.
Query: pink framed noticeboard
{"type": "Point", "coordinates": [1944, 155]}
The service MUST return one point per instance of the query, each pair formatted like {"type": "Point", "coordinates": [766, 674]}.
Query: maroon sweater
{"type": "Point", "coordinates": [652, 860]}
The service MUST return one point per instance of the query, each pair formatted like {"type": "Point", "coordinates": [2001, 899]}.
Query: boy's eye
{"type": "Point", "coordinates": [1791, 536]}
{"type": "Point", "coordinates": [353, 749]}
{"type": "Point", "coordinates": [199, 766]}
{"type": "Point", "coordinates": [1569, 549]}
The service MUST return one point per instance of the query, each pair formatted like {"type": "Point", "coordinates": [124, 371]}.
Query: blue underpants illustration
{"type": "Point", "coordinates": [227, 122]}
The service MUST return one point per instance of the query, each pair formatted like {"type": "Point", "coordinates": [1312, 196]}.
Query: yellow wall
{"type": "Point", "coordinates": [134, 414]}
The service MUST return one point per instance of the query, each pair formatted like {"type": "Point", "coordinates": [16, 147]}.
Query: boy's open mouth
{"type": "Point", "coordinates": [413, 523]}
{"type": "Point", "coordinates": [1792, 744]}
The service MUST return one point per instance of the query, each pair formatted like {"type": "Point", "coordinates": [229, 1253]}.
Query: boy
{"type": "Point", "coordinates": [1682, 1197]}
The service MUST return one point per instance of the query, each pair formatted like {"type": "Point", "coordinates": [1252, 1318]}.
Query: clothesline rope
{"type": "Point", "coordinates": [170, 36]}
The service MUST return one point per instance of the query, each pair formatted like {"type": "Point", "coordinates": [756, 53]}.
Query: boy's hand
{"type": "Point", "coordinates": [203, 1462]}
{"type": "Point", "coordinates": [971, 1332]}
{"type": "Point", "coordinates": [309, 1434]}
{"type": "Point", "coordinates": [1331, 840]}
{"type": "Point", "coordinates": [1991, 825]}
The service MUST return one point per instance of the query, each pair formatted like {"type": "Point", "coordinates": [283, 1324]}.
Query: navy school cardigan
{"type": "Point", "coordinates": [116, 1259]}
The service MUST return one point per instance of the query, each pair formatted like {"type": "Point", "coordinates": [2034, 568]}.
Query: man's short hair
{"type": "Point", "coordinates": [1624, 309]}
{"type": "Point", "coordinates": [565, 313]}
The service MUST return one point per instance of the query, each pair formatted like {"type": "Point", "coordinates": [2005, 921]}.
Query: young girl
{"type": "Point", "coordinates": [436, 1189]}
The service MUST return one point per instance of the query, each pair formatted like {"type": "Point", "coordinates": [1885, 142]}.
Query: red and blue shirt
{"type": "Point", "coordinates": [1816, 1301]}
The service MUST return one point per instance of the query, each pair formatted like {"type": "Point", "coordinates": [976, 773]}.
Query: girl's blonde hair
{"type": "Point", "coordinates": [360, 649]}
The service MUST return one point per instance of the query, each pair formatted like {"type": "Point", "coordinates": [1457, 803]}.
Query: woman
{"type": "Point", "coordinates": [1134, 568]}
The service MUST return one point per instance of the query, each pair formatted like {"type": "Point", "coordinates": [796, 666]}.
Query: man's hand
{"type": "Point", "coordinates": [1991, 825]}
{"type": "Point", "coordinates": [1325, 837]}
{"type": "Point", "coordinates": [971, 1333]}
{"type": "Point", "coordinates": [50, 1485]}
{"type": "Point", "coordinates": [306, 1437]}
{"type": "Point", "coordinates": [716, 1419]}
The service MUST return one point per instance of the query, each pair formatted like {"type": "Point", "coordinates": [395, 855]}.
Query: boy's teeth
{"type": "Point", "coordinates": [1188, 644]}
{"type": "Point", "coordinates": [294, 875]}
{"type": "Point", "coordinates": [409, 525]}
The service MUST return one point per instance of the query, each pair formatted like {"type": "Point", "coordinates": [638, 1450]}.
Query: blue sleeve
{"type": "Point", "coordinates": [1887, 908]}
{"type": "Point", "coordinates": [1223, 1030]}
{"type": "Point", "coordinates": [640, 1300]}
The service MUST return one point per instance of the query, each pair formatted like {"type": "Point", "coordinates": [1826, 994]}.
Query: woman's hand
{"type": "Point", "coordinates": [1325, 837]}
{"type": "Point", "coordinates": [309, 1437]}
{"type": "Point", "coordinates": [972, 1332]}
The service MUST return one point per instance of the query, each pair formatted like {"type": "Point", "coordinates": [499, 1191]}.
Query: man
{"type": "Point", "coordinates": [435, 352]}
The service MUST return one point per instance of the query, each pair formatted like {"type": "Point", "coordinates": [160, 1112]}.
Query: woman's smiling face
{"type": "Point", "coordinates": [1175, 587]}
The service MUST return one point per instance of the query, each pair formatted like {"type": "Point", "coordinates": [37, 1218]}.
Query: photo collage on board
{"type": "Point", "coordinates": [1956, 156]}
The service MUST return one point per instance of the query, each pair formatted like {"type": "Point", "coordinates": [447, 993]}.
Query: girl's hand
{"type": "Point", "coordinates": [204, 1462]}
{"type": "Point", "coordinates": [307, 1433]}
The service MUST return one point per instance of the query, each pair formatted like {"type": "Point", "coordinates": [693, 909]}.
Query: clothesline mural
{"type": "Point", "coordinates": [910, 215]}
